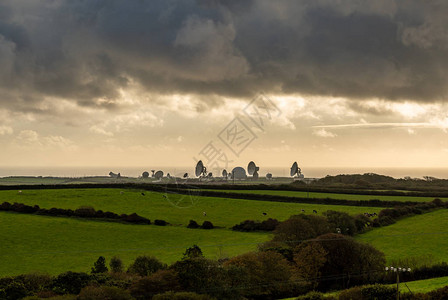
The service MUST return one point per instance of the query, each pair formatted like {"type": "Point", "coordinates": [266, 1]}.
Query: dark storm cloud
{"type": "Point", "coordinates": [88, 50]}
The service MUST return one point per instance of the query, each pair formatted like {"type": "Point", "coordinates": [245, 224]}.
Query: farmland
{"type": "Point", "coordinates": [416, 236]}
{"type": "Point", "coordinates": [174, 208]}
{"type": "Point", "coordinates": [317, 195]}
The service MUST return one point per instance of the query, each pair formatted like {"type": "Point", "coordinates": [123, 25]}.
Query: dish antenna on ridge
{"type": "Point", "coordinates": [152, 175]}
{"type": "Point", "coordinates": [200, 170]}
{"type": "Point", "coordinates": [224, 173]}
{"type": "Point", "coordinates": [268, 176]}
{"type": "Point", "coordinates": [296, 171]}
{"type": "Point", "coordinates": [158, 175]}
{"type": "Point", "coordinates": [252, 169]}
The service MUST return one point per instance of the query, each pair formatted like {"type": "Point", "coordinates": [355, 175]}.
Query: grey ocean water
{"type": "Point", "coordinates": [311, 172]}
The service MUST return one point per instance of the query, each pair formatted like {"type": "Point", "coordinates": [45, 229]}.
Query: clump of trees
{"type": "Point", "coordinates": [250, 225]}
{"type": "Point", "coordinates": [81, 212]}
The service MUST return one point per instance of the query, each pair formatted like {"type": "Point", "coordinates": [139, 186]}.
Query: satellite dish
{"type": "Point", "coordinates": [224, 173]}
{"type": "Point", "coordinates": [186, 175]}
{"type": "Point", "coordinates": [168, 175]}
{"type": "Point", "coordinates": [294, 169]}
{"type": "Point", "coordinates": [268, 176]}
{"type": "Point", "coordinates": [152, 175]}
{"type": "Point", "coordinates": [210, 175]}
{"type": "Point", "coordinates": [252, 169]}
{"type": "Point", "coordinates": [158, 175]}
{"type": "Point", "coordinates": [200, 169]}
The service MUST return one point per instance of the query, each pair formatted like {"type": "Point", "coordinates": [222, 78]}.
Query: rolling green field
{"type": "Point", "coordinates": [417, 286]}
{"type": "Point", "coordinates": [330, 195]}
{"type": "Point", "coordinates": [173, 208]}
{"type": "Point", "coordinates": [415, 236]}
{"type": "Point", "coordinates": [424, 286]}
{"type": "Point", "coordinates": [55, 245]}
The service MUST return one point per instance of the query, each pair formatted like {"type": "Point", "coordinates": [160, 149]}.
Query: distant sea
{"type": "Point", "coordinates": [311, 172]}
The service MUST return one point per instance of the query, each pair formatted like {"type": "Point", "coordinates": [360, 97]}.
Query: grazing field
{"type": "Point", "coordinates": [424, 286]}
{"type": "Point", "coordinates": [415, 236]}
{"type": "Point", "coordinates": [173, 208]}
{"type": "Point", "coordinates": [330, 195]}
{"type": "Point", "coordinates": [55, 245]}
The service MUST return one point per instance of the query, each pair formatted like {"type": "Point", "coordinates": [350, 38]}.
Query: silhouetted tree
{"type": "Point", "coordinates": [99, 266]}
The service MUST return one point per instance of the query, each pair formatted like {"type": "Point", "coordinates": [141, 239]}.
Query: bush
{"type": "Point", "coordinates": [145, 265]}
{"type": "Point", "coordinates": [100, 266]}
{"type": "Point", "coordinates": [85, 212]}
{"type": "Point", "coordinates": [207, 225]}
{"type": "Point", "coordinates": [136, 219]}
{"type": "Point", "coordinates": [159, 282]}
{"type": "Point", "coordinates": [351, 294]}
{"type": "Point", "coordinates": [160, 222]}
{"type": "Point", "coordinates": [249, 225]}
{"type": "Point", "coordinates": [193, 224]}
{"type": "Point", "coordinates": [181, 296]}
{"type": "Point", "coordinates": [70, 282]}
{"type": "Point", "coordinates": [369, 292]}
{"type": "Point", "coordinates": [14, 290]}
{"type": "Point", "coordinates": [116, 265]}
{"type": "Point", "coordinates": [104, 292]}
{"type": "Point", "coordinates": [379, 291]}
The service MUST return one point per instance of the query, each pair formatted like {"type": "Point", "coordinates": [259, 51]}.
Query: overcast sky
{"type": "Point", "coordinates": [151, 83]}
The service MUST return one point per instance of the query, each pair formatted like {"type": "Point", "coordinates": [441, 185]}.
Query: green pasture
{"type": "Point", "coordinates": [417, 236]}
{"type": "Point", "coordinates": [173, 208]}
{"type": "Point", "coordinates": [304, 194]}
{"type": "Point", "coordinates": [55, 245]}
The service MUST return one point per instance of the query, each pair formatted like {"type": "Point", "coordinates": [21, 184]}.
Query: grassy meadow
{"type": "Point", "coordinates": [173, 208]}
{"type": "Point", "coordinates": [416, 236]}
{"type": "Point", "coordinates": [318, 195]}
{"type": "Point", "coordinates": [56, 244]}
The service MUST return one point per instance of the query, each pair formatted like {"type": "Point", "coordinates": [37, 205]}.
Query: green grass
{"type": "Point", "coordinates": [416, 236]}
{"type": "Point", "coordinates": [220, 211]}
{"type": "Point", "coordinates": [330, 195]}
{"type": "Point", "coordinates": [424, 286]}
{"type": "Point", "coordinates": [55, 244]}
{"type": "Point", "coordinates": [417, 286]}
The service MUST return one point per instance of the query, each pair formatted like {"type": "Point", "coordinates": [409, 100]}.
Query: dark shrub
{"type": "Point", "coordinates": [181, 296]}
{"type": "Point", "coordinates": [193, 252]}
{"type": "Point", "coordinates": [111, 215]}
{"type": "Point", "coordinates": [136, 219]}
{"type": "Point", "coordinates": [269, 224]}
{"type": "Point", "coordinates": [146, 265]}
{"type": "Point", "coordinates": [85, 212]}
{"type": "Point", "coordinates": [362, 222]}
{"type": "Point", "coordinates": [70, 282]}
{"type": "Point", "coordinates": [438, 202]}
{"type": "Point", "coordinates": [5, 206]}
{"type": "Point", "coordinates": [159, 282]}
{"type": "Point", "coordinates": [379, 291]}
{"type": "Point", "coordinates": [341, 220]}
{"type": "Point", "coordinates": [14, 290]}
{"type": "Point", "coordinates": [246, 226]}
{"type": "Point", "coordinates": [439, 294]}
{"type": "Point", "coordinates": [99, 214]}
{"type": "Point", "coordinates": [207, 225]}
{"type": "Point", "coordinates": [351, 294]}
{"type": "Point", "coordinates": [100, 265]}
{"type": "Point", "coordinates": [104, 292]}
{"type": "Point", "coordinates": [385, 221]}
{"type": "Point", "coordinates": [193, 224]}
{"type": "Point", "coordinates": [160, 222]}
{"type": "Point", "coordinates": [116, 264]}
